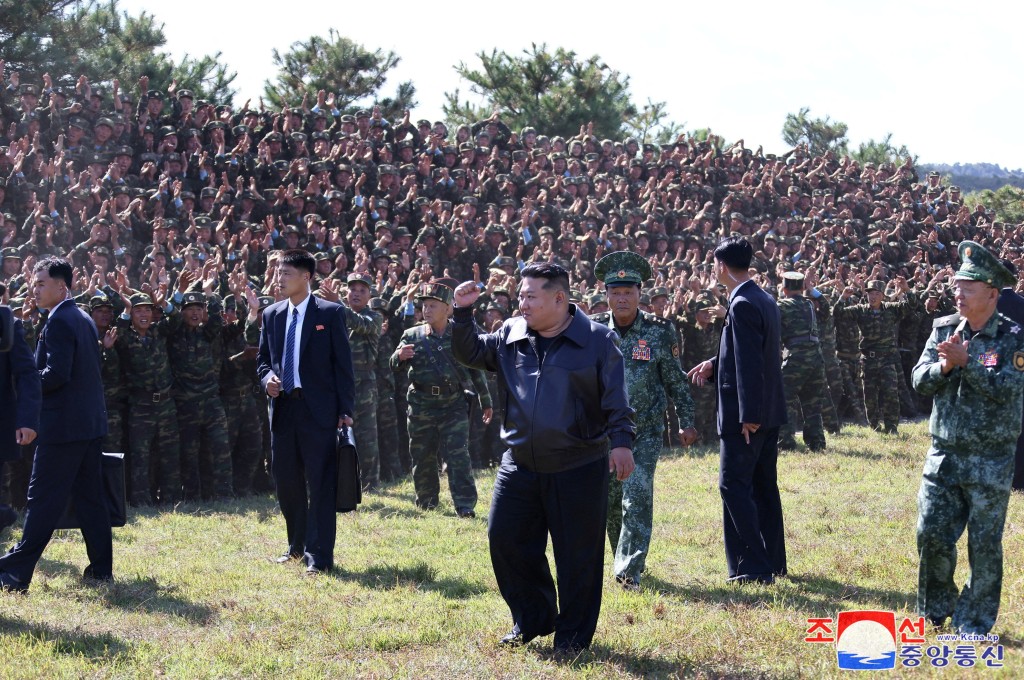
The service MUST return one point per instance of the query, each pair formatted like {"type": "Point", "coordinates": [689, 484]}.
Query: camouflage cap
{"type": "Point", "coordinates": [97, 301]}
{"type": "Point", "coordinates": [875, 284]}
{"type": "Point", "coordinates": [622, 268]}
{"type": "Point", "coordinates": [265, 301]}
{"type": "Point", "coordinates": [360, 277]}
{"type": "Point", "coordinates": [192, 298]}
{"type": "Point", "coordinates": [436, 291]}
{"type": "Point", "coordinates": [140, 300]}
{"type": "Point", "coordinates": [978, 264]}
{"type": "Point", "coordinates": [657, 292]}
{"type": "Point", "coordinates": [10, 253]}
{"type": "Point", "coordinates": [793, 280]}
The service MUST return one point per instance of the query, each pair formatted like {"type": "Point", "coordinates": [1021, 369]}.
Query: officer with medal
{"type": "Point", "coordinates": [650, 347]}
{"type": "Point", "coordinates": [973, 368]}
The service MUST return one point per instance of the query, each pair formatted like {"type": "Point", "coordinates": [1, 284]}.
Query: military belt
{"type": "Point", "coordinates": [155, 397]}
{"type": "Point", "coordinates": [435, 390]}
{"type": "Point", "coordinates": [801, 340]}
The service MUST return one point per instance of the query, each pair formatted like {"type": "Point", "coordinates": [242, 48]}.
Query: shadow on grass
{"type": "Point", "coordinates": [636, 664]}
{"type": "Point", "coordinates": [389, 511]}
{"type": "Point", "coordinates": [701, 450]}
{"type": "Point", "coordinates": [102, 647]}
{"type": "Point", "coordinates": [811, 595]}
{"type": "Point", "coordinates": [147, 595]}
{"type": "Point", "coordinates": [420, 575]}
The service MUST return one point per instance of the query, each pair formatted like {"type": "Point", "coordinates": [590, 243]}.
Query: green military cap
{"type": "Point", "coordinates": [978, 264]}
{"type": "Point", "coordinates": [193, 298]}
{"type": "Point", "coordinates": [100, 300]}
{"type": "Point", "coordinates": [321, 256]}
{"type": "Point", "coordinates": [793, 280]}
{"type": "Point", "coordinates": [657, 292]}
{"type": "Point", "coordinates": [597, 299]}
{"type": "Point", "coordinates": [10, 253]}
{"type": "Point", "coordinates": [645, 299]}
{"type": "Point", "coordinates": [378, 304]}
{"type": "Point", "coordinates": [622, 267]}
{"type": "Point", "coordinates": [875, 284]}
{"type": "Point", "coordinates": [360, 277]}
{"type": "Point", "coordinates": [140, 300]}
{"type": "Point", "coordinates": [265, 301]}
{"type": "Point", "coordinates": [436, 291]}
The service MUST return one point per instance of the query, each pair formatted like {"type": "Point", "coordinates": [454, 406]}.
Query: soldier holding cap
{"type": "Point", "coordinates": [803, 370]}
{"type": "Point", "coordinates": [973, 367]}
{"type": "Point", "coordinates": [650, 347]}
{"type": "Point", "coordinates": [438, 389]}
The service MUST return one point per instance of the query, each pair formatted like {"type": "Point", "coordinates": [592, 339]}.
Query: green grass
{"type": "Point", "coordinates": [197, 594]}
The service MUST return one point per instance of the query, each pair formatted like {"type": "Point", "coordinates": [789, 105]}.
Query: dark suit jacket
{"type": "Point", "coordinates": [68, 359]}
{"type": "Point", "coordinates": [748, 368]}
{"type": "Point", "coordinates": [325, 360]}
{"type": "Point", "coordinates": [20, 396]}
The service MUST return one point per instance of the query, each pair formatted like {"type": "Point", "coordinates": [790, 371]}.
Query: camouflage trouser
{"type": "Point", "coordinates": [402, 406]}
{"type": "Point", "coordinates": [671, 424]}
{"type": "Point", "coordinates": [154, 478]}
{"type": "Point", "coordinates": [908, 402]}
{"type": "Point", "coordinates": [493, 446]}
{"type": "Point", "coordinates": [852, 402]}
{"type": "Point", "coordinates": [205, 456]}
{"type": "Point", "coordinates": [834, 381]}
{"type": "Point", "coordinates": [803, 376]}
{"type": "Point", "coordinates": [113, 442]}
{"type": "Point", "coordinates": [387, 437]}
{"type": "Point", "coordinates": [245, 437]}
{"type": "Point", "coordinates": [365, 431]}
{"type": "Point", "coordinates": [262, 481]}
{"type": "Point", "coordinates": [439, 424]}
{"type": "Point", "coordinates": [961, 491]}
{"type": "Point", "coordinates": [705, 414]}
{"type": "Point", "coordinates": [631, 505]}
{"type": "Point", "coordinates": [881, 393]}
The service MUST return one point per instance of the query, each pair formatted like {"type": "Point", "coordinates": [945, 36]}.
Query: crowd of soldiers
{"type": "Point", "coordinates": [174, 211]}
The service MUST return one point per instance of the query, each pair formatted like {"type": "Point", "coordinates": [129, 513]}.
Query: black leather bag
{"type": "Point", "coordinates": [113, 491]}
{"type": "Point", "coordinates": [350, 484]}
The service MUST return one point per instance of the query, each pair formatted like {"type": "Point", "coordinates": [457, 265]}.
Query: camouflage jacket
{"type": "Point", "coordinates": [799, 325]}
{"type": "Point", "coordinates": [650, 348]}
{"type": "Point", "coordinates": [976, 408]}
{"type": "Point", "coordinates": [877, 326]}
{"type": "Point", "coordinates": [429, 366]}
{"type": "Point", "coordinates": [145, 363]}
{"type": "Point", "coordinates": [364, 330]}
{"type": "Point", "coordinates": [196, 355]}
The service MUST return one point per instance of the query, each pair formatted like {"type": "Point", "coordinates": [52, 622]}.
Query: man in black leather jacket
{"type": "Point", "coordinates": [567, 405]}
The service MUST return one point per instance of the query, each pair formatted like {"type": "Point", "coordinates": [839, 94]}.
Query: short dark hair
{"type": "Point", "coordinates": [735, 252]}
{"type": "Point", "coordinates": [299, 259]}
{"type": "Point", "coordinates": [56, 268]}
{"type": "Point", "coordinates": [554, 275]}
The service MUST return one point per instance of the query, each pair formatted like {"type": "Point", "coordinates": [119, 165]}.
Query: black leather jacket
{"type": "Point", "coordinates": [560, 413]}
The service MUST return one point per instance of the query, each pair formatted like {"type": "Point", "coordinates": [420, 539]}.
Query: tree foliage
{"type": "Point", "coordinates": [651, 124]}
{"type": "Point", "coordinates": [70, 38]}
{"type": "Point", "coordinates": [555, 89]}
{"type": "Point", "coordinates": [819, 134]}
{"type": "Point", "coordinates": [882, 151]}
{"type": "Point", "coordinates": [1007, 201]}
{"type": "Point", "coordinates": [341, 66]}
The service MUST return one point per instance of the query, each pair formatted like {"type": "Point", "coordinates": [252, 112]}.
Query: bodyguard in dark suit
{"type": "Point", "coordinates": [1011, 304]}
{"type": "Point", "coordinates": [751, 406]}
{"type": "Point", "coordinates": [72, 424]}
{"type": "Point", "coordinates": [19, 407]}
{"type": "Point", "coordinates": [305, 366]}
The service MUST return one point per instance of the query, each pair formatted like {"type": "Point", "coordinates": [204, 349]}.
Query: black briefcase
{"type": "Point", "coordinates": [350, 484]}
{"type": "Point", "coordinates": [113, 491]}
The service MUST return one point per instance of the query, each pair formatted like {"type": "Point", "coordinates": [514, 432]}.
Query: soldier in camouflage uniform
{"type": "Point", "coordinates": [101, 309]}
{"type": "Point", "coordinates": [387, 414]}
{"type": "Point", "coordinates": [878, 320]}
{"type": "Point", "coordinates": [364, 331]}
{"type": "Point", "coordinates": [438, 418]}
{"type": "Point", "coordinates": [195, 348]}
{"type": "Point", "coordinates": [833, 373]}
{"type": "Point", "coordinates": [238, 390]}
{"type": "Point", "coordinates": [851, 396]}
{"type": "Point", "coordinates": [152, 415]}
{"type": "Point", "coordinates": [702, 332]}
{"type": "Point", "coordinates": [973, 367]}
{"type": "Point", "coordinates": [650, 347]}
{"type": "Point", "coordinates": [803, 370]}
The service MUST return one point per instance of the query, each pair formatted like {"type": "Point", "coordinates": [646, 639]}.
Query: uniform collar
{"type": "Point", "coordinates": [577, 330]}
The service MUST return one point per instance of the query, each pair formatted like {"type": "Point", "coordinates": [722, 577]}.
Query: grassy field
{"type": "Point", "coordinates": [197, 594]}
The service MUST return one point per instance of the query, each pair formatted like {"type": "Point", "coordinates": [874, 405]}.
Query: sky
{"type": "Point", "coordinates": [944, 78]}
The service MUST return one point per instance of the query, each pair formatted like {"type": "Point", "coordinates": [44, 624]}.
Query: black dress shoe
{"type": "Point", "coordinates": [90, 575]}
{"type": "Point", "coordinates": [9, 584]}
{"type": "Point", "coordinates": [465, 512]}
{"type": "Point", "coordinates": [8, 516]}
{"type": "Point", "coordinates": [313, 570]}
{"type": "Point", "coordinates": [288, 557]}
{"type": "Point", "coordinates": [742, 579]}
{"type": "Point", "coordinates": [513, 639]}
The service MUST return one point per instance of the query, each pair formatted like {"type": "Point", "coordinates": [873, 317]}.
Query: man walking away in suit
{"type": "Point", "coordinates": [305, 366]}
{"type": "Point", "coordinates": [72, 425]}
{"type": "Point", "coordinates": [19, 417]}
{"type": "Point", "coordinates": [751, 407]}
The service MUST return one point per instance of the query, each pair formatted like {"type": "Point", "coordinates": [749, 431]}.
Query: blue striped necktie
{"type": "Point", "coordinates": [288, 380]}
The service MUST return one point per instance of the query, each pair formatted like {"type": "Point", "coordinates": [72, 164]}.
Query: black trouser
{"type": "Point", "coordinates": [755, 543]}
{"type": "Point", "coordinates": [304, 462]}
{"type": "Point", "coordinates": [62, 471]}
{"type": "Point", "coordinates": [572, 506]}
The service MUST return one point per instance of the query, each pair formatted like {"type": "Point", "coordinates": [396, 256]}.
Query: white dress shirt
{"type": "Point", "coordinates": [298, 335]}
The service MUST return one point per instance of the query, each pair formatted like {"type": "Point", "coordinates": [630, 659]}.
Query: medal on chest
{"type": "Point", "coordinates": [989, 359]}
{"type": "Point", "coordinates": [642, 351]}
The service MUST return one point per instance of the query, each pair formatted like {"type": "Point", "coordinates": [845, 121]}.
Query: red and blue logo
{"type": "Point", "coordinates": [866, 640]}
